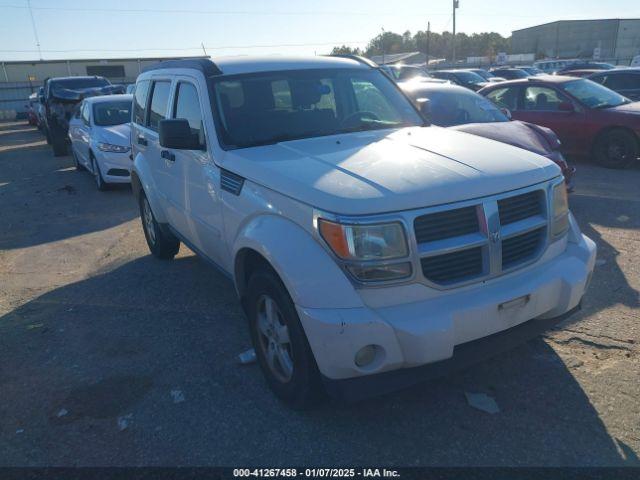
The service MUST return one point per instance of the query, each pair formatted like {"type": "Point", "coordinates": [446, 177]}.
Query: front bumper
{"type": "Point", "coordinates": [416, 334]}
{"type": "Point", "coordinates": [115, 167]}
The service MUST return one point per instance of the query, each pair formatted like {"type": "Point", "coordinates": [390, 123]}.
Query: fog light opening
{"type": "Point", "coordinates": [366, 355]}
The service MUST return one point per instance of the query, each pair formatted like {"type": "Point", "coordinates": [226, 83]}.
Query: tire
{"type": "Point", "coordinates": [58, 144]}
{"type": "Point", "coordinates": [289, 367]}
{"type": "Point", "coordinates": [162, 244]}
{"type": "Point", "coordinates": [76, 162]}
{"type": "Point", "coordinates": [101, 185]}
{"type": "Point", "coordinates": [616, 149]}
{"type": "Point", "coordinates": [45, 130]}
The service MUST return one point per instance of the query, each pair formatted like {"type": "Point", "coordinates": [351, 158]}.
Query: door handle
{"type": "Point", "coordinates": [142, 141]}
{"type": "Point", "coordinates": [167, 155]}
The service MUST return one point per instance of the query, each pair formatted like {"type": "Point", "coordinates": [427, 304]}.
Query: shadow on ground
{"type": "Point", "coordinates": [90, 371]}
{"type": "Point", "coordinates": [43, 198]}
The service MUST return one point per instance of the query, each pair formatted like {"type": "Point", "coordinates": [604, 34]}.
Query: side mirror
{"type": "Point", "coordinates": [507, 112]}
{"type": "Point", "coordinates": [566, 107]}
{"type": "Point", "coordinates": [424, 105]}
{"type": "Point", "coordinates": [176, 133]}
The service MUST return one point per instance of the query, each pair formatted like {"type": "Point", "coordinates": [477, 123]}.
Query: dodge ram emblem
{"type": "Point", "coordinates": [494, 236]}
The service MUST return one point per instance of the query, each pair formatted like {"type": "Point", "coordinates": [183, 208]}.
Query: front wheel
{"type": "Point", "coordinates": [280, 343]}
{"type": "Point", "coordinates": [162, 244]}
{"type": "Point", "coordinates": [617, 149]}
{"type": "Point", "coordinates": [101, 185]}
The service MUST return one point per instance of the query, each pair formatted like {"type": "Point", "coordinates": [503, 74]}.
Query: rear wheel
{"type": "Point", "coordinates": [280, 343]}
{"type": "Point", "coordinates": [617, 149]}
{"type": "Point", "coordinates": [162, 243]}
{"type": "Point", "coordinates": [58, 142]}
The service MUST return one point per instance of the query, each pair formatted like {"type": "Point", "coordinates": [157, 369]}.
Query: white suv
{"type": "Point", "coordinates": [369, 250]}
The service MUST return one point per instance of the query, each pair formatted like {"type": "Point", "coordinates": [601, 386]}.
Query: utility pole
{"type": "Point", "coordinates": [426, 60]}
{"type": "Point", "coordinates": [456, 4]}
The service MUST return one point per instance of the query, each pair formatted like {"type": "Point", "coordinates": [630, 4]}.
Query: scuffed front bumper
{"type": "Point", "coordinates": [410, 336]}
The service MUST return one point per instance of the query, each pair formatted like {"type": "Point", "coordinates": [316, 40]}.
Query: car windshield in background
{"type": "Point", "coordinates": [469, 77]}
{"type": "Point", "coordinates": [407, 73]}
{"type": "Point", "coordinates": [267, 108]}
{"type": "Point", "coordinates": [106, 114]}
{"type": "Point", "coordinates": [594, 95]}
{"type": "Point", "coordinates": [80, 83]}
{"type": "Point", "coordinates": [459, 108]}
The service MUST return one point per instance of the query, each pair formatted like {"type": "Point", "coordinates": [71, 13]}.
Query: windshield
{"type": "Point", "coordinates": [406, 73]}
{"type": "Point", "coordinates": [594, 95]}
{"type": "Point", "coordinates": [484, 74]}
{"type": "Point", "coordinates": [469, 77]}
{"type": "Point", "coordinates": [457, 107]}
{"type": "Point", "coordinates": [80, 83]}
{"type": "Point", "coordinates": [267, 108]}
{"type": "Point", "coordinates": [111, 113]}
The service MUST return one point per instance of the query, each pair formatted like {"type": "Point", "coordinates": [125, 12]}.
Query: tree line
{"type": "Point", "coordinates": [439, 45]}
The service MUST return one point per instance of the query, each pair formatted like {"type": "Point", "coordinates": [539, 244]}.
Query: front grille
{"type": "Point", "coordinates": [514, 209]}
{"type": "Point", "coordinates": [521, 248]}
{"type": "Point", "coordinates": [453, 267]}
{"type": "Point", "coordinates": [447, 224]}
{"type": "Point", "coordinates": [118, 172]}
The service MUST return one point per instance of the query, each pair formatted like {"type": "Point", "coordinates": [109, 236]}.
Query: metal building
{"type": "Point", "coordinates": [613, 40]}
{"type": "Point", "coordinates": [19, 79]}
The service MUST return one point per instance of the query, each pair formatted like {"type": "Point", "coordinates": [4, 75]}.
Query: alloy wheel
{"type": "Point", "coordinates": [273, 339]}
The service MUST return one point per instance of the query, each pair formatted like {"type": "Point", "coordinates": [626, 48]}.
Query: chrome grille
{"type": "Point", "coordinates": [514, 209]}
{"type": "Point", "coordinates": [447, 224]}
{"type": "Point", "coordinates": [453, 267]}
{"type": "Point", "coordinates": [521, 248]}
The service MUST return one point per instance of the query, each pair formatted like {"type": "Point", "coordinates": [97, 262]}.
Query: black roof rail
{"type": "Point", "coordinates": [205, 65]}
{"type": "Point", "coordinates": [357, 58]}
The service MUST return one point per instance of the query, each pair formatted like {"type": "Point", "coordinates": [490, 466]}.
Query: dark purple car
{"type": "Point", "coordinates": [460, 108]}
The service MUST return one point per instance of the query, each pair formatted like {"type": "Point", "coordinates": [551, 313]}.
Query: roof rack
{"type": "Point", "coordinates": [357, 58]}
{"type": "Point", "coordinates": [205, 65]}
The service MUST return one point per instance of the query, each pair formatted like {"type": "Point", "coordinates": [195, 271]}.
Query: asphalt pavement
{"type": "Point", "coordinates": [111, 357]}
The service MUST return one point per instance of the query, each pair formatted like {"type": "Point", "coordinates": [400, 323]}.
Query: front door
{"type": "Point", "coordinates": [550, 108]}
{"type": "Point", "coordinates": [195, 177]}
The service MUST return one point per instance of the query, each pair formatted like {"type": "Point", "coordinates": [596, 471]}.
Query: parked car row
{"type": "Point", "coordinates": [367, 251]}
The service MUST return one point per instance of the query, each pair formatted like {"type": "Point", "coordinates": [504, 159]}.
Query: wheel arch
{"type": "Point", "coordinates": [310, 275]}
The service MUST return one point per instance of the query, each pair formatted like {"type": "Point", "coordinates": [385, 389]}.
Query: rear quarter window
{"type": "Point", "coordinates": [140, 102]}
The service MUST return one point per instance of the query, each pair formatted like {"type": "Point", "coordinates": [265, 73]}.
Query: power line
{"type": "Point", "coordinates": [221, 47]}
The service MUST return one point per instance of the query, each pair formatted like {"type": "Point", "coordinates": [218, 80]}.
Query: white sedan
{"type": "Point", "coordinates": [100, 138]}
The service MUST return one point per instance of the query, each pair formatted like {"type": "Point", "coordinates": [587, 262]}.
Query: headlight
{"type": "Point", "coordinates": [361, 246]}
{"type": "Point", "coordinates": [108, 147]}
{"type": "Point", "coordinates": [560, 210]}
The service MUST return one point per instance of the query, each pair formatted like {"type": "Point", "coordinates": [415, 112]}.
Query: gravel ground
{"type": "Point", "coordinates": [110, 357]}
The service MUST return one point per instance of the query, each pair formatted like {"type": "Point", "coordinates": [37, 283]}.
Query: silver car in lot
{"type": "Point", "coordinates": [99, 132]}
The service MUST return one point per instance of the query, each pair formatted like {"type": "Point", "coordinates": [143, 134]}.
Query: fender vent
{"type": "Point", "coordinates": [231, 182]}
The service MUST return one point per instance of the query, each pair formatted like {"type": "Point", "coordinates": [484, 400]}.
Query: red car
{"type": "Point", "coordinates": [588, 118]}
{"type": "Point", "coordinates": [461, 109]}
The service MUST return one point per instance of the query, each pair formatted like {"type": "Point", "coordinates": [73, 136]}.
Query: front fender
{"type": "Point", "coordinates": [141, 178]}
{"type": "Point", "coordinates": [311, 276]}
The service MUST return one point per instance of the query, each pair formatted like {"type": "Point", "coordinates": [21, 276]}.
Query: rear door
{"type": "Point", "coordinates": [162, 166]}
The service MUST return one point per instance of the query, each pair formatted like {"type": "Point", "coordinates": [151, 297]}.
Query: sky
{"type": "Point", "coordinates": [146, 28]}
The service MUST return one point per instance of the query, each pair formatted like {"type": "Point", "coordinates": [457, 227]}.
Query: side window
{"type": "Point", "coordinates": [542, 99]}
{"type": "Point", "coordinates": [140, 102]}
{"type": "Point", "coordinates": [622, 82]}
{"type": "Point", "coordinates": [187, 106]}
{"type": "Point", "coordinates": [602, 79]}
{"type": "Point", "coordinates": [85, 113]}
{"type": "Point", "coordinates": [281, 94]}
{"type": "Point", "coordinates": [505, 98]}
{"type": "Point", "coordinates": [159, 101]}
{"type": "Point", "coordinates": [370, 99]}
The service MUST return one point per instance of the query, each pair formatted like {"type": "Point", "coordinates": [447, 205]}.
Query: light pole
{"type": "Point", "coordinates": [456, 4]}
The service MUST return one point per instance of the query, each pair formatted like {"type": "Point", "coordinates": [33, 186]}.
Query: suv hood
{"type": "Point", "coordinates": [389, 170]}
